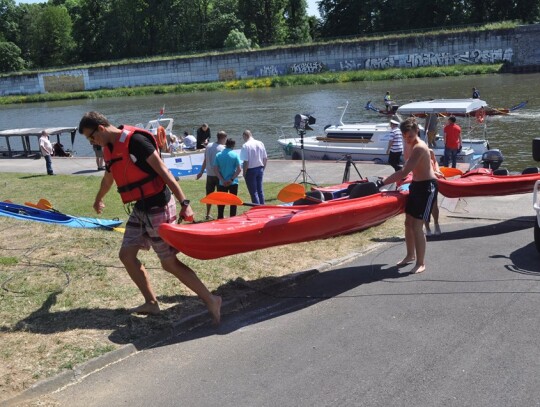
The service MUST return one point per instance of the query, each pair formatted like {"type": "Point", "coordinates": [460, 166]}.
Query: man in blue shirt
{"type": "Point", "coordinates": [227, 168]}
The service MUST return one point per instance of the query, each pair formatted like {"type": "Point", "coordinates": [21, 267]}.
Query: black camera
{"type": "Point", "coordinates": [303, 121]}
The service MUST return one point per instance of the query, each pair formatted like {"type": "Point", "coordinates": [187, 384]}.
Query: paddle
{"type": "Point", "coordinates": [450, 172]}
{"type": "Point", "coordinates": [294, 192]}
{"type": "Point", "coordinates": [224, 198]}
{"type": "Point", "coordinates": [47, 206]}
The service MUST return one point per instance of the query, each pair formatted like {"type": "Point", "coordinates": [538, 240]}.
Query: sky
{"type": "Point", "coordinates": [312, 6]}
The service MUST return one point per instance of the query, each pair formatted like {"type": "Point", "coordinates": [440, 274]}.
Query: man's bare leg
{"type": "Point", "coordinates": [409, 242]}
{"type": "Point", "coordinates": [187, 276]}
{"type": "Point", "coordinates": [139, 275]}
{"type": "Point", "coordinates": [420, 245]}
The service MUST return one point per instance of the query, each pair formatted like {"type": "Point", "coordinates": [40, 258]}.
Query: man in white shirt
{"type": "Point", "coordinates": [46, 149]}
{"type": "Point", "coordinates": [212, 180]}
{"type": "Point", "coordinates": [395, 145]}
{"type": "Point", "coordinates": [190, 142]}
{"type": "Point", "coordinates": [253, 155]}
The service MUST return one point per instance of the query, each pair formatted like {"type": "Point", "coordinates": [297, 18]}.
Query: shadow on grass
{"type": "Point", "coordinates": [33, 176]}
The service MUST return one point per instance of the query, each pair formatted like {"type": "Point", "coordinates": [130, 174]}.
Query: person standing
{"type": "Point", "coordinates": [254, 158]}
{"type": "Point", "coordinates": [227, 168]}
{"type": "Point", "coordinates": [46, 149]}
{"type": "Point", "coordinates": [212, 180]}
{"type": "Point", "coordinates": [203, 135]}
{"type": "Point", "coordinates": [98, 151]}
{"type": "Point", "coordinates": [388, 101]}
{"type": "Point", "coordinates": [134, 164]}
{"type": "Point", "coordinates": [395, 145]}
{"type": "Point", "coordinates": [432, 121]}
{"type": "Point", "coordinates": [422, 194]}
{"type": "Point", "coordinates": [475, 93]}
{"type": "Point", "coordinates": [452, 141]}
{"type": "Point", "coordinates": [435, 208]}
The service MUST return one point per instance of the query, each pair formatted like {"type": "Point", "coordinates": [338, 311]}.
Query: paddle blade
{"type": "Point", "coordinates": [221, 198]}
{"type": "Point", "coordinates": [291, 193]}
{"type": "Point", "coordinates": [44, 204]}
{"type": "Point", "coordinates": [32, 205]}
{"type": "Point", "coordinates": [451, 172]}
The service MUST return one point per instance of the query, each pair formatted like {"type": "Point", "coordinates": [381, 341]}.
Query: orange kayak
{"type": "Point", "coordinates": [267, 226]}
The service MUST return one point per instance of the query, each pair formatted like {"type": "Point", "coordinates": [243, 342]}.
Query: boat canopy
{"type": "Point", "coordinates": [455, 106]}
{"type": "Point", "coordinates": [27, 134]}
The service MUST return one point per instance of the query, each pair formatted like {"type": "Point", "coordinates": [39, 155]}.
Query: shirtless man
{"type": "Point", "coordinates": [422, 194]}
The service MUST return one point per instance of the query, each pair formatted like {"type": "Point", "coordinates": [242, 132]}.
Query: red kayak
{"type": "Point", "coordinates": [267, 226]}
{"type": "Point", "coordinates": [482, 182]}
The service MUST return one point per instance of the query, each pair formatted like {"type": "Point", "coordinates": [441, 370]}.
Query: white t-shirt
{"type": "Point", "coordinates": [190, 142]}
{"type": "Point", "coordinates": [254, 153]}
{"type": "Point", "coordinates": [45, 145]}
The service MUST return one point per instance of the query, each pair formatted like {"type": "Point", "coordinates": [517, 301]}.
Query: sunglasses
{"type": "Point", "coordinates": [91, 136]}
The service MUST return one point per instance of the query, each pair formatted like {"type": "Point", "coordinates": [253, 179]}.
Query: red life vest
{"type": "Point", "coordinates": [133, 183]}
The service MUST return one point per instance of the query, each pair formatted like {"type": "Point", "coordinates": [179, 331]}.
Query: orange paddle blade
{"type": "Point", "coordinates": [450, 172]}
{"type": "Point", "coordinates": [221, 198]}
{"type": "Point", "coordinates": [291, 193]}
{"type": "Point", "coordinates": [32, 205]}
{"type": "Point", "coordinates": [44, 204]}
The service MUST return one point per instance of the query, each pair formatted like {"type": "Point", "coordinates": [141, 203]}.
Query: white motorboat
{"type": "Point", "coordinates": [366, 141]}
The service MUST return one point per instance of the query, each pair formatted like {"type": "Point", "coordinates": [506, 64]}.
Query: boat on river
{"type": "Point", "coordinates": [488, 110]}
{"type": "Point", "coordinates": [369, 141]}
{"type": "Point", "coordinates": [29, 140]}
{"type": "Point", "coordinates": [486, 182]}
{"type": "Point", "coordinates": [24, 212]}
{"type": "Point", "coordinates": [269, 225]}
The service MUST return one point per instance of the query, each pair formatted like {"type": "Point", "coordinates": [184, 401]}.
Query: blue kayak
{"type": "Point", "coordinates": [39, 215]}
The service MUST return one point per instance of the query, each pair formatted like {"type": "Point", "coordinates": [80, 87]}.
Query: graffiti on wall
{"type": "Point", "coordinates": [306, 67]}
{"type": "Point", "coordinates": [440, 59]}
{"type": "Point", "coordinates": [268, 70]}
{"type": "Point", "coordinates": [350, 65]}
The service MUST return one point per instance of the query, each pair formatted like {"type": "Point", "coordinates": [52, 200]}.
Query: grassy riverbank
{"type": "Point", "coordinates": [64, 291]}
{"type": "Point", "coordinates": [269, 82]}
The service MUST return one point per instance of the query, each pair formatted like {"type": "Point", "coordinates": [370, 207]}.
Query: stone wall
{"type": "Point", "coordinates": [520, 47]}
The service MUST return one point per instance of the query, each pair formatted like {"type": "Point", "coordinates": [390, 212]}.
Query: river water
{"type": "Point", "coordinates": [264, 111]}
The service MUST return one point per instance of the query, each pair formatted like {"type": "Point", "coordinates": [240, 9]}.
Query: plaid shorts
{"type": "Point", "coordinates": [142, 229]}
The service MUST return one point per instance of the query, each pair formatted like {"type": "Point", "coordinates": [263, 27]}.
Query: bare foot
{"type": "Point", "coordinates": [418, 269]}
{"type": "Point", "coordinates": [405, 261]}
{"type": "Point", "coordinates": [147, 308]}
{"type": "Point", "coordinates": [214, 308]}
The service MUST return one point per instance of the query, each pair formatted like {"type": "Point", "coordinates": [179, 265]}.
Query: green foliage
{"type": "Point", "coordinates": [236, 40]}
{"type": "Point", "coordinates": [51, 40]}
{"type": "Point", "coordinates": [10, 57]}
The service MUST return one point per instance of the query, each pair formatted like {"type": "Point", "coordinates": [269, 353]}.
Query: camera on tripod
{"type": "Point", "coordinates": [303, 122]}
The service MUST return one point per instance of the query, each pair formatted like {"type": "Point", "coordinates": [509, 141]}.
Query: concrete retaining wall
{"type": "Point", "coordinates": [520, 47]}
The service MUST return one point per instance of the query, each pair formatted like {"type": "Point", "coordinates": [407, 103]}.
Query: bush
{"type": "Point", "coordinates": [10, 57]}
{"type": "Point", "coordinates": [237, 40]}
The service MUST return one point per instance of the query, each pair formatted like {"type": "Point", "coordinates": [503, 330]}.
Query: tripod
{"type": "Point", "coordinates": [347, 172]}
{"type": "Point", "coordinates": [303, 171]}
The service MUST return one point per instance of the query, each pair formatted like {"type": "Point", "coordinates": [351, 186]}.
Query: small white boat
{"type": "Point", "coordinates": [25, 142]}
{"type": "Point", "coordinates": [362, 142]}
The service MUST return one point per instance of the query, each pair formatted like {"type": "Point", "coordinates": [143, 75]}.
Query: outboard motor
{"type": "Point", "coordinates": [492, 159]}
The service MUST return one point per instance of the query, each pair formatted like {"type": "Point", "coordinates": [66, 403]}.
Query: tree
{"type": "Point", "coordinates": [297, 22]}
{"type": "Point", "coordinates": [264, 20]}
{"type": "Point", "coordinates": [51, 41]}
{"type": "Point", "coordinates": [10, 57]}
{"type": "Point", "coordinates": [8, 25]}
{"type": "Point", "coordinates": [236, 40]}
